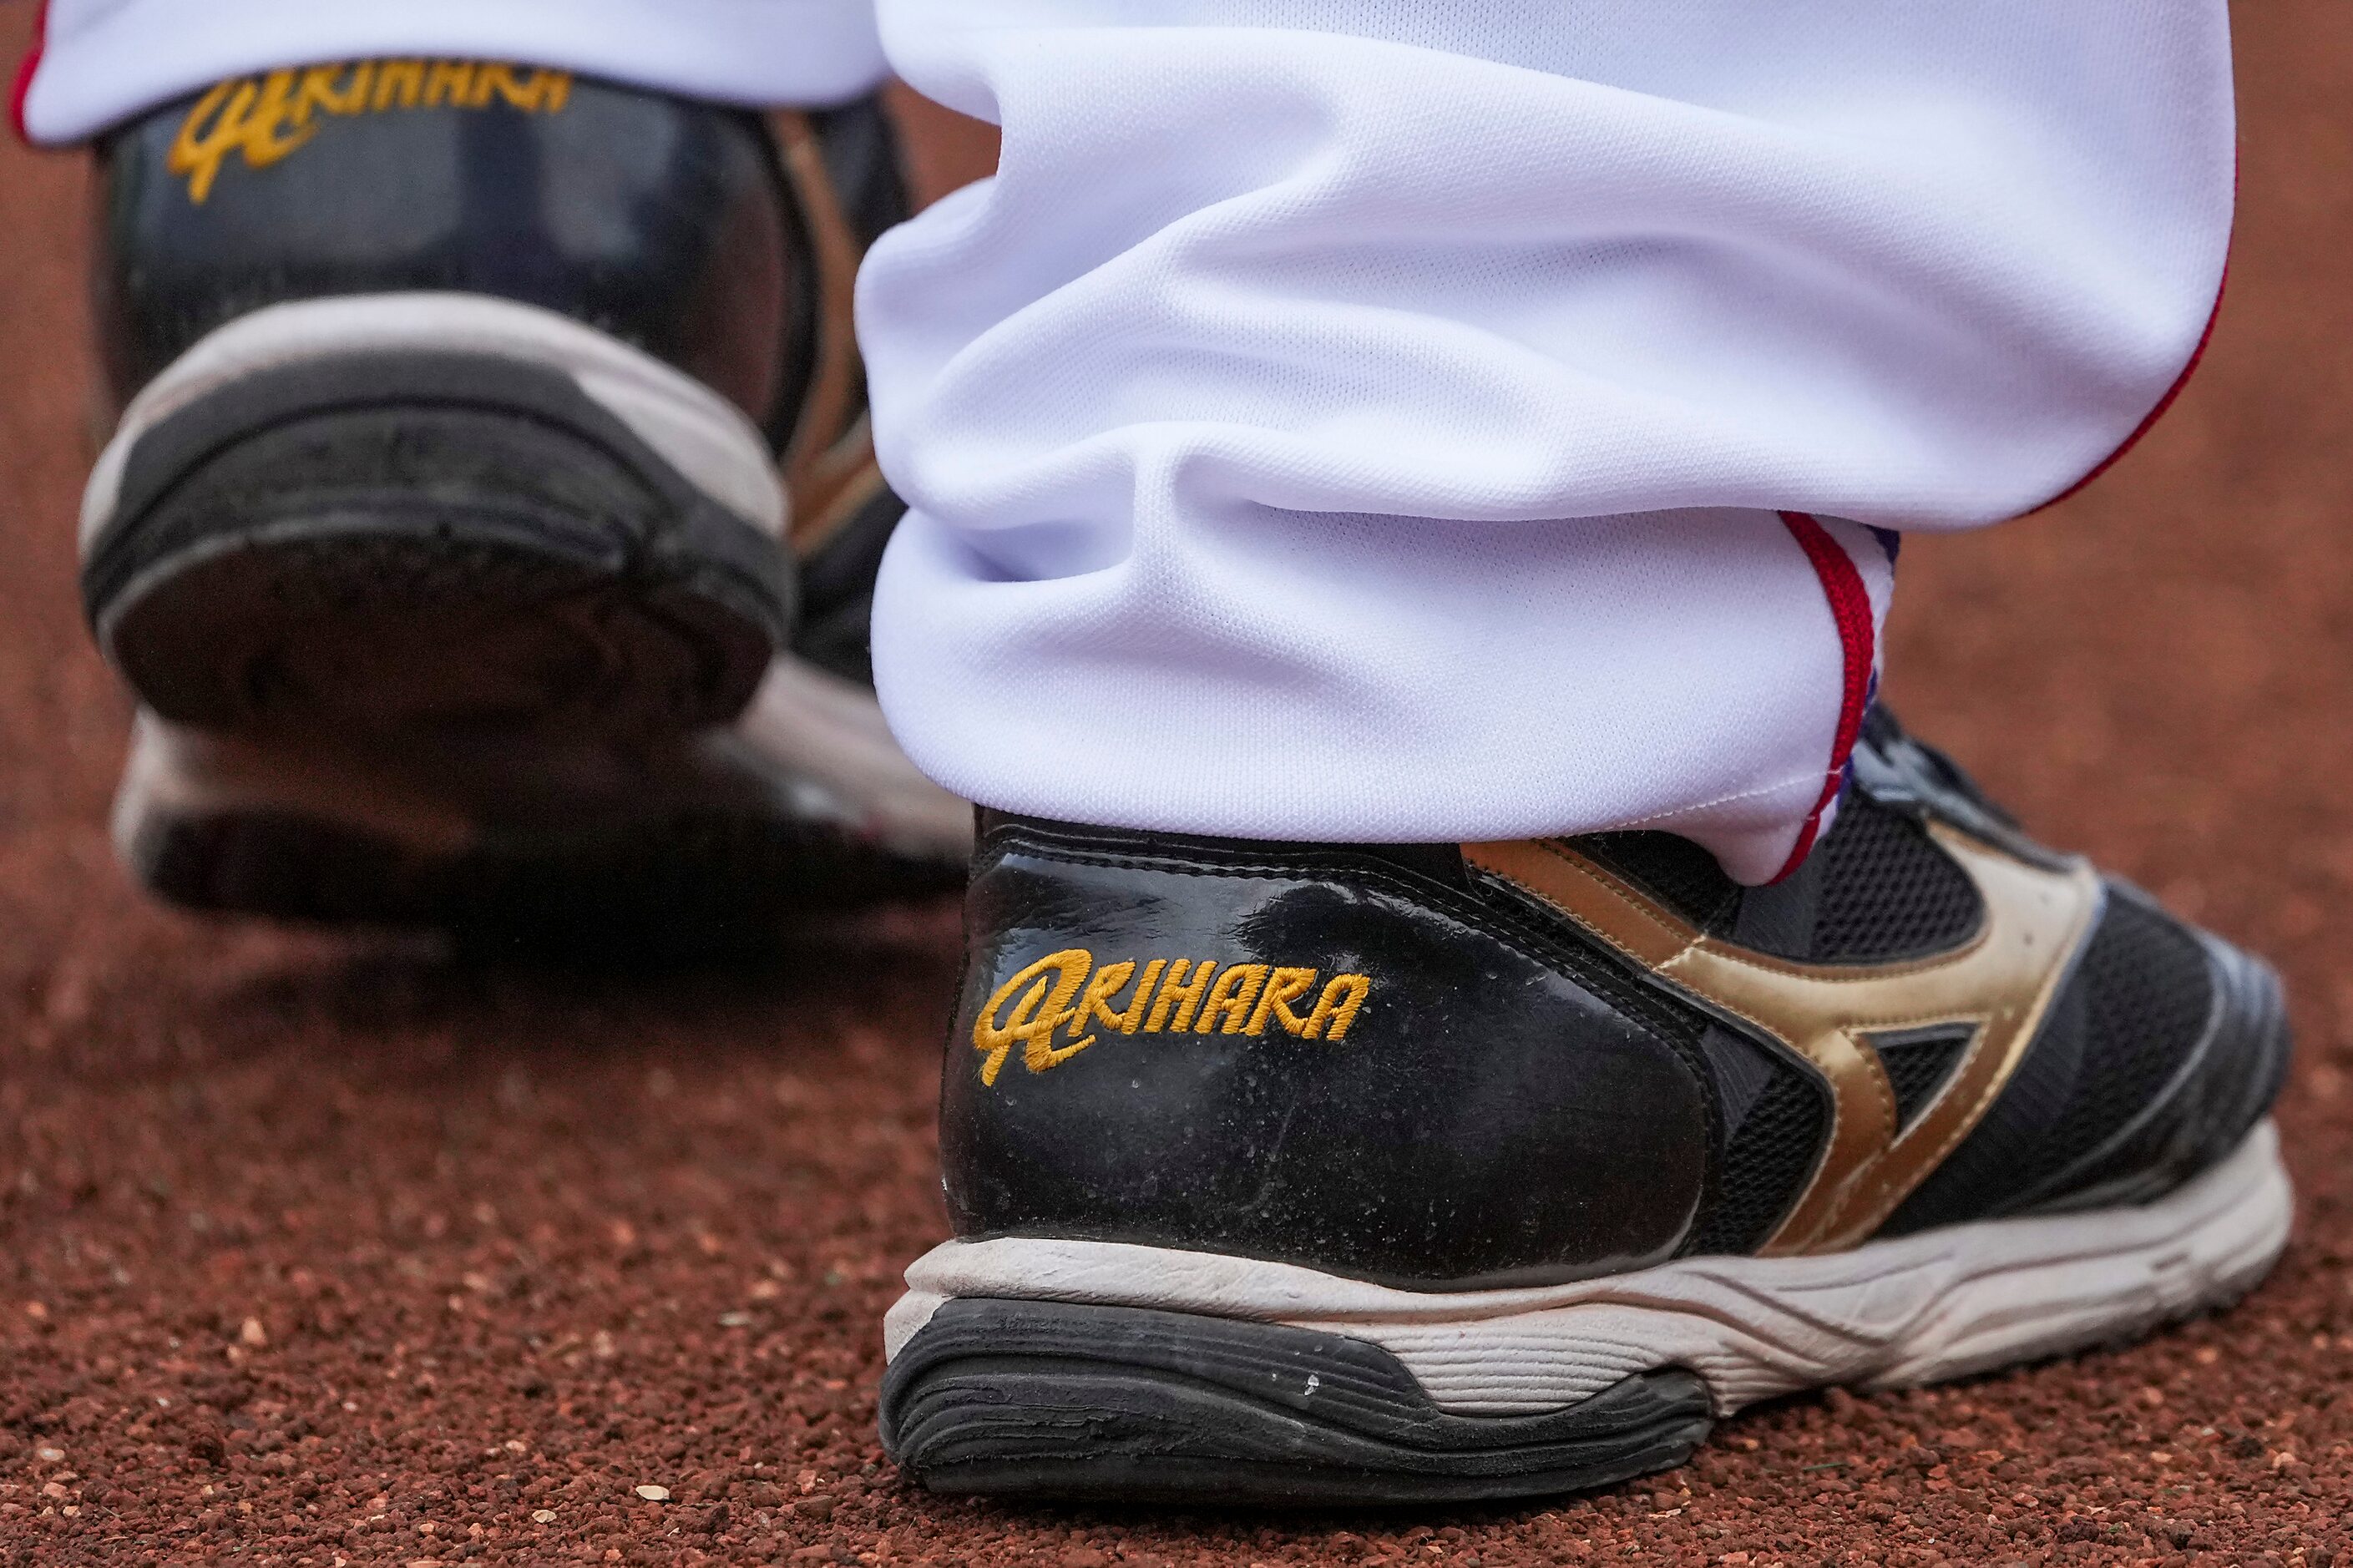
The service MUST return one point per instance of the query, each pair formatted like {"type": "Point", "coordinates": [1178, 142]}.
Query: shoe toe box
{"type": "Point", "coordinates": [2163, 1050]}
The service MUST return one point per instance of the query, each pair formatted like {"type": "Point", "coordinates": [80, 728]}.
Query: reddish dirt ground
{"type": "Point", "coordinates": [315, 1251]}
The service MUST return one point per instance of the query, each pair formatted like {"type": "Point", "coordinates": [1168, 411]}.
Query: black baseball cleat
{"type": "Point", "coordinates": [1328, 1174]}
{"type": "Point", "coordinates": [444, 532]}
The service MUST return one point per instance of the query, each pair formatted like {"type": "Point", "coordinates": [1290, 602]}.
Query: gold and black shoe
{"type": "Point", "coordinates": [1335, 1174]}
{"type": "Point", "coordinates": [489, 518]}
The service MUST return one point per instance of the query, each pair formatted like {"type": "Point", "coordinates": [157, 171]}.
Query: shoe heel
{"type": "Point", "coordinates": [1044, 1399]}
{"type": "Point", "coordinates": [388, 541]}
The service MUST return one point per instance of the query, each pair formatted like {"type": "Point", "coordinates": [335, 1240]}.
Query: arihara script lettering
{"type": "Point", "coordinates": [267, 119]}
{"type": "Point", "coordinates": [1066, 992]}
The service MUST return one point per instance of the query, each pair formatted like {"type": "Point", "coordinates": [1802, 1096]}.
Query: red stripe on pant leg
{"type": "Point", "coordinates": [2172, 393]}
{"type": "Point", "coordinates": [24, 69]}
{"type": "Point", "coordinates": [1849, 603]}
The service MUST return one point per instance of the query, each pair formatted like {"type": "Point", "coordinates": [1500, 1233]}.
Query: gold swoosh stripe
{"type": "Point", "coordinates": [828, 464]}
{"type": "Point", "coordinates": [2000, 983]}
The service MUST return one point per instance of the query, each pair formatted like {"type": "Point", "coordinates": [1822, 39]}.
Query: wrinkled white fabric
{"type": "Point", "coordinates": [106, 60]}
{"type": "Point", "coordinates": [1365, 421]}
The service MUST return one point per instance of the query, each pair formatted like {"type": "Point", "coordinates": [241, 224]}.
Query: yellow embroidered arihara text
{"type": "Point", "coordinates": [1065, 991]}
{"type": "Point", "coordinates": [268, 118]}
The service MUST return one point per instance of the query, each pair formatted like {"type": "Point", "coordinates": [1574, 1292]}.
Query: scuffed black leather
{"type": "Point", "coordinates": [1515, 1103]}
{"type": "Point", "coordinates": [1492, 1116]}
{"type": "Point", "coordinates": [661, 221]}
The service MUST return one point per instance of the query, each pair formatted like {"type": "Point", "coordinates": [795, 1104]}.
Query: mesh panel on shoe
{"type": "Point", "coordinates": [1771, 1153]}
{"type": "Point", "coordinates": [1882, 888]}
{"type": "Point", "coordinates": [2147, 991]}
{"type": "Point", "coordinates": [1917, 1063]}
{"type": "Point", "coordinates": [1674, 870]}
{"type": "Point", "coordinates": [1887, 890]}
{"type": "Point", "coordinates": [2117, 1036]}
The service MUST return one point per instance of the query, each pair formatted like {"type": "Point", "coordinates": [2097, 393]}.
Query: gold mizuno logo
{"type": "Point", "coordinates": [1057, 992]}
{"type": "Point", "coordinates": [268, 118]}
{"type": "Point", "coordinates": [2000, 983]}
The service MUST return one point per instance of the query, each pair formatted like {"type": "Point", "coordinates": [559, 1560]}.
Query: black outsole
{"type": "Point", "coordinates": [1052, 1400]}
{"type": "Point", "coordinates": [393, 542]}
{"type": "Point", "coordinates": [693, 886]}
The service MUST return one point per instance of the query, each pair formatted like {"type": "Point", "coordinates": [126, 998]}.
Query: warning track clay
{"type": "Point", "coordinates": [317, 1251]}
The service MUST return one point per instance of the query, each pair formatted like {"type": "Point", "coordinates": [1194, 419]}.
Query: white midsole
{"type": "Point", "coordinates": [814, 725]}
{"type": "Point", "coordinates": [710, 441]}
{"type": "Point", "coordinates": [1945, 1303]}
{"type": "Point", "coordinates": [812, 746]}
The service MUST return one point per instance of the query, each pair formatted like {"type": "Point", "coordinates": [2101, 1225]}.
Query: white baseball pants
{"type": "Point", "coordinates": [1430, 419]}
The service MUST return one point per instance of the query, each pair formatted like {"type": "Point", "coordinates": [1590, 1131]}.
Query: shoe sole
{"type": "Point", "coordinates": [1046, 1368]}
{"type": "Point", "coordinates": [692, 848]}
{"type": "Point", "coordinates": [411, 513]}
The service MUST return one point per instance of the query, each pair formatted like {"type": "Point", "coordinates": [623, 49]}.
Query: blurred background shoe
{"type": "Point", "coordinates": [489, 521]}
